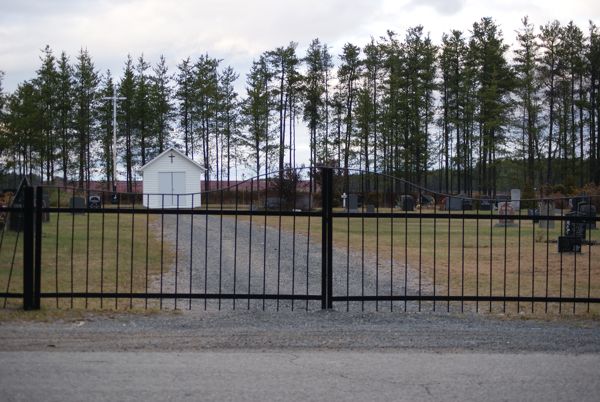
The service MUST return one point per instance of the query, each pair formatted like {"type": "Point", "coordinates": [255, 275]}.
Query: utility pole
{"type": "Point", "coordinates": [114, 100]}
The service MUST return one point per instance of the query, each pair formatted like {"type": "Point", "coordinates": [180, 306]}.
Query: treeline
{"type": "Point", "coordinates": [399, 105]}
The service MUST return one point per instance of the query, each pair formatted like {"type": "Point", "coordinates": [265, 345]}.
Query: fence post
{"type": "Point", "coordinates": [326, 238]}
{"type": "Point", "coordinates": [28, 249]}
{"type": "Point", "coordinates": [37, 277]}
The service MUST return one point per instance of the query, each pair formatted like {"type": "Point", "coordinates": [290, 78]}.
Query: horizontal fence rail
{"type": "Point", "coordinates": [313, 238]}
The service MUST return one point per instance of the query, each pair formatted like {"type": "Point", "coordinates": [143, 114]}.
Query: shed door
{"type": "Point", "coordinates": [170, 184]}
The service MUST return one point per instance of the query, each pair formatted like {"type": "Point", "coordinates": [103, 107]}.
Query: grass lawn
{"type": "Point", "coordinates": [79, 254]}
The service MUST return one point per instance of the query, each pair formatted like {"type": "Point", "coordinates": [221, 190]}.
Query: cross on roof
{"type": "Point", "coordinates": [171, 156]}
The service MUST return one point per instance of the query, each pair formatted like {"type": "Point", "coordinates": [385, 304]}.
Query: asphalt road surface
{"type": "Point", "coordinates": [311, 375]}
{"type": "Point", "coordinates": [276, 356]}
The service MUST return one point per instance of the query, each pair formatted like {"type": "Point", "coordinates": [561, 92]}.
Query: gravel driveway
{"type": "Point", "coordinates": [261, 260]}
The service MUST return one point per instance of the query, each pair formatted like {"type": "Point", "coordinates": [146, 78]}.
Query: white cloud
{"type": "Point", "coordinates": [238, 31]}
{"type": "Point", "coordinates": [444, 7]}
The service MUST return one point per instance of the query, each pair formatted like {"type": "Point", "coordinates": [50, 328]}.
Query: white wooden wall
{"type": "Point", "coordinates": [193, 177]}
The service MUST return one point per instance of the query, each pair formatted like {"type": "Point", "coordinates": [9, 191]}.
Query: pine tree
{"type": "Point", "coordinates": [528, 96]}
{"type": "Point", "coordinates": [25, 142]}
{"type": "Point", "coordinates": [143, 117]}
{"type": "Point", "coordinates": [572, 50]}
{"type": "Point", "coordinates": [284, 66]}
{"type": "Point", "coordinates": [593, 71]}
{"type": "Point", "coordinates": [256, 115]}
{"type": "Point", "coordinates": [161, 107]}
{"type": "Point", "coordinates": [205, 110]}
{"type": "Point", "coordinates": [45, 83]}
{"type": "Point", "coordinates": [65, 118]}
{"type": "Point", "coordinates": [127, 119]}
{"type": "Point", "coordinates": [373, 67]}
{"type": "Point", "coordinates": [549, 69]}
{"type": "Point", "coordinates": [348, 75]}
{"type": "Point", "coordinates": [316, 101]}
{"type": "Point", "coordinates": [229, 118]}
{"type": "Point", "coordinates": [495, 81]}
{"type": "Point", "coordinates": [184, 95]}
{"type": "Point", "coordinates": [85, 86]}
{"type": "Point", "coordinates": [105, 121]}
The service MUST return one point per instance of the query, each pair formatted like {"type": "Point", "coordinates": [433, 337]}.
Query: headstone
{"type": "Point", "coordinates": [569, 244]}
{"type": "Point", "coordinates": [273, 203]}
{"type": "Point", "coordinates": [344, 197]}
{"type": "Point", "coordinates": [303, 202]}
{"type": "Point", "coordinates": [426, 200]}
{"type": "Point", "coordinates": [407, 203]}
{"type": "Point", "coordinates": [515, 199]}
{"type": "Point", "coordinates": [352, 203]}
{"type": "Point", "coordinates": [575, 227]}
{"type": "Point", "coordinates": [454, 203]}
{"type": "Point", "coordinates": [535, 213]}
{"type": "Point", "coordinates": [546, 208]}
{"type": "Point", "coordinates": [94, 201]}
{"type": "Point", "coordinates": [579, 199]}
{"type": "Point", "coordinates": [588, 210]}
{"type": "Point", "coordinates": [485, 204]}
{"type": "Point", "coordinates": [77, 202]}
{"type": "Point", "coordinates": [370, 208]}
{"type": "Point", "coordinates": [504, 209]}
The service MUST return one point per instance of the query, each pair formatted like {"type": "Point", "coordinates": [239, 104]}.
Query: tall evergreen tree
{"type": "Point", "coordinates": [528, 96]}
{"type": "Point", "coordinates": [256, 114]}
{"type": "Point", "coordinates": [161, 106]}
{"type": "Point", "coordinates": [143, 115]}
{"type": "Point", "coordinates": [205, 107]}
{"type": "Point", "coordinates": [127, 119]}
{"type": "Point", "coordinates": [495, 81]}
{"type": "Point", "coordinates": [184, 95]}
{"type": "Point", "coordinates": [25, 142]}
{"type": "Point", "coordinates": [65, 118]}
{"type": "Point", "coordinates": [105, 121]}
{"type": "Point", "coordinates": [549, 69]}
{"type": "Point", "coordinates": [45, 83]}
{"type": "Point", "coordinates": [572, 51]}
{"type": "Point", "coordinates": [593, 71]}
{"type": "Point", "coordinates": [348, 76]}
{"type": "Point", "coordinates": [229, 118]}
{"type": "Point", "coordinates": [85, 87]}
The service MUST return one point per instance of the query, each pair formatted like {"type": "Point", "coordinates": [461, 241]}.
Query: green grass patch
{"type": "Point", "coordinates": [100, 253]}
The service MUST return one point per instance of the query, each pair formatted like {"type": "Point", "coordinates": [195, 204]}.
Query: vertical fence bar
{"type": "Point", "coordinates": [326, 239]}
{"type": "Point", "coordinates": [28, 250]}
{"type": "Point", "coordinates": [56, 247]}
{"type": "Point", "coordinates": [37, 280]}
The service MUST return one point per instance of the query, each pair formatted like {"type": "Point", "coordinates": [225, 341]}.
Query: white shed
{"type": "Point", "coordinates": [172, 180]}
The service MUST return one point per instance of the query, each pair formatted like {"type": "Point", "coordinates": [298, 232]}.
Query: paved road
{"type": "Point", "coordinates": [322, 355]}
{"type": "Point", "coordinates": [297, 375]}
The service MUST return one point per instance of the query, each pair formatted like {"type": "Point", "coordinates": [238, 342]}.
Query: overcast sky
{"type": "Point", "coordinates": [237, 31]}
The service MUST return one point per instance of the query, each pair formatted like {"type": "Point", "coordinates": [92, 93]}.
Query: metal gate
{"type": "Point", "coordinates": [315, 238]}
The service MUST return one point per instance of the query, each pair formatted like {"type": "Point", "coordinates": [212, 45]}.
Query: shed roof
{"type": "Point", "coordinates": [176, 151]}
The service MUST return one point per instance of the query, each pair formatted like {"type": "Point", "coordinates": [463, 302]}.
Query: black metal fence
{"type": "Point", "coordinates": [315, 238]}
